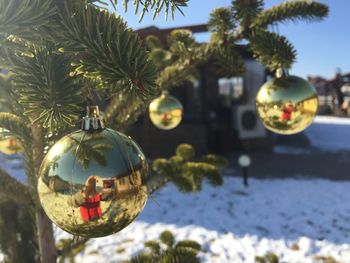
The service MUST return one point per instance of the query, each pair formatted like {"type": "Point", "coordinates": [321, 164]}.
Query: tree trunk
{"type": "Point", "coordinates": [46, 240]}
{"type": "Point", "coordinates": [48, 252]}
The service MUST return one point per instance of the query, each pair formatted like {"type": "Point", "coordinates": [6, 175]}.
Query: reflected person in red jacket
{"type": "Point", "coordinates": [287, 112]}
{"type": "Point", "coordinates": [88, 200]}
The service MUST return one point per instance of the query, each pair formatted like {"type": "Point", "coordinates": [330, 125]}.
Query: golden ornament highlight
{"type": "Point", "coordinates": [165, 112]}
{"type": "Point", "coordinates": [93, 182]}
{"type": "Point", "coordinates": [287, 104]}
{"type": "Point", "coordinates": [9, 143]}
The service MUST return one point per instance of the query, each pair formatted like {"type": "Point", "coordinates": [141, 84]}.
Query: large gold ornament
{"type": "Point", "coordinates": [9, 143]}
{"type": "Point", "coordinates": [165, 112]}
{"type": "Point", "coordinates": [287, 104]}
{"type": "Point", "coordinates": [93, 182]}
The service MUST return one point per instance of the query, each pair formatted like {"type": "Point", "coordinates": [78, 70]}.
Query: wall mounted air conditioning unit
{"type": "Point", "coordinates": [247, 123]}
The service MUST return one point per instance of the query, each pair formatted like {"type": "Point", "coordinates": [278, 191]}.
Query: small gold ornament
{"type": "Point", "coordinates": [286, 104]}
{"type": "Point", "coordinates": [92, 182]}
{"type": "Point", "coordinates": [9, 143]}
{"type": "Point", "coordinates": [165, 111]}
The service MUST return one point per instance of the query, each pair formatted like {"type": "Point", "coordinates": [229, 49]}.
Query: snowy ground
{"type": "Point", "coordinates": [330, 133]}
{"type": "Point", "coordinates": [297, 219]}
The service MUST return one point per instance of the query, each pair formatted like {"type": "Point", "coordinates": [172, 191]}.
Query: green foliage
{"type": "Point", "coordinates": [272, 50]}
{"type": "Point", "coordinates": [221, 21]}
{"type": "Point", "coordinates": [243, 10]}
{"type": "Point", "coordinates": [185, 171]}
{"type": "Point", "coordinates": [268, 258]}
{"type": "Point", "coordinates": [68, 248]}
{"type": "Point", "coordinates": [167, 238]}
{"type": "Point", "coordinates": [292, 11]}
{"type": "Point", "coordinates": [325, 259]}
{"type": "Point", "coordinates": [17, 230]}
{"type": "Point", "coordinates": [11, 189]}
{"type": "Point", "coordinates": [153, 42]}
{"type": "Point", "coordinates": [156, 5]}
{"type": "Point", "coordinates": [185, 151]}
{"type": "Point", "coordinates": [23, 17]}
{"type": "Point", "coordinates": [215, 160]}
{"type": "Point", "coordinates": [185, 251]}
{"type": "Point", "coordinates": [104, 41]}
{"type": "Point", "coordinates": [14, 124]}
{"type": "Point", "coordinates": [45, 90]}
{"type": "Point", "coordinates": [248, 21]}
{"type": "Point", "coordinates": [229, 62]}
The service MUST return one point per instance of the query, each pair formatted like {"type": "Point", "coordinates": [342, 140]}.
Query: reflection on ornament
{"type": "Point", "coordinates": [287, 104]}
{"type": "Point", "coordinates": [93, 182]}
{"type": "Point", "coordinates": [9, 144]}
{"type": "Point", "coordinates": [165, 112]}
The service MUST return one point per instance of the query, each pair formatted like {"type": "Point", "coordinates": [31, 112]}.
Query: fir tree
{"type": "Point", "coordinates": [61, 53]}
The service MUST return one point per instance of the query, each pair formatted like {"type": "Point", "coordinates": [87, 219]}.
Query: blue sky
{"type": "Point", "coordinates": [322, 47]}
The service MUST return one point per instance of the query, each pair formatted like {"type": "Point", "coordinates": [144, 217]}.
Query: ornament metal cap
{"type": "Point", "coordinates": [165, 93]}
{"type": "Point", "coordinates": [282, 72]}
{"type": "Point", "coordinates": [93, 121]}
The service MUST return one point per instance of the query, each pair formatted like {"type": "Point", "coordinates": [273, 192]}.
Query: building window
{"type": "Point", "coordinates": [231, 89]}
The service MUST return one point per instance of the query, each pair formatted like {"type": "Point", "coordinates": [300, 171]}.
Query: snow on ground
{"type": "Point", "coordinates": [329, 133]}
{"type": "Point", "coordinates": [296, 219]}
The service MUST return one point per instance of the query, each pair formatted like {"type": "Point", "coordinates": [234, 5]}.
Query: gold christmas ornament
{"type": "Point", "coordinates": [92, 182]}
{"type": "Point", "coordinates": [9, 143]}
{"type": "Point", "coordinates": [286, 104]}
{"type": "Point", "coordinates": [165, 111]}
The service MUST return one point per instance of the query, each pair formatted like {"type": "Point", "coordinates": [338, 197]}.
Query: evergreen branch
{"type": "Point", "coordinates": [221, 21]}
{"type": "Point", "coordinates": [157, 6]}
{"type": "Point", "coordinates": [185, 151]}
{"type": "Point", "coordinates": [185, 251]}
{"type": "Point", "coordinates": [15, 125]}
{"type": "Point", "coordinates": [183, 69]}
{"type": "Point", "coordinates": [245, 11]}
{"type": "Point", "coordinates": [123, 110]}
{"type": "Point", "coordinates": [167, 238]}
{"type": "Point", "coordinates": [228, 61]}
{"type": "Point", "coordinates": [45, 89]}
{"type": "Point", "coordinates": [112, 53]}
{"type": "Point", "coordinates": [272, 50]}
{"type": "Point", "coordinates": [12, 189]}
{"type": "Point", "coordinates": [182, 170]}
{"type": "Point", "coordinates": [70, 247]}
{"type": "Point", "coordinates": [153, 42]}
{"type": "Point", "coordinates": [23, 17]}
{"type": "Point", "coordinates": [292, 11]}
{"type": "Point", "coordinates": [181, 43]}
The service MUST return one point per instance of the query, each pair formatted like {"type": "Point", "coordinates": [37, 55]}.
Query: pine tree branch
{"type": "Point", "coordinates": [15, 125]}
{"type": "Point", "coordinates": [228, 61]}
{"type": "Point", "coordinates": [70, 247]}
{"type": "Point", "coordinates": [123, 110]}
{"type": "Point", "coordinates": [184, 171]}
{"type": "Point", "coordinates": [272, 50]}
{"type": "Point", "coordinates": [12, 189]}
{"type": "Point", "coordinates": [111, 52]}
{"type": "Point", "coordinates": [157, 6]}
{"type": "Point", "coordinates": [292, 11]}
{"type": "Point", "coordinates": [245, 11]}
{"type": "Point", "coordinates": [23, 17]}
{"type": "Point", "coordinates": [45, 89]}
{"type": "Point", "coordinates": [182, 70]}
{"type": "Point", "coordinates": [221, 22]}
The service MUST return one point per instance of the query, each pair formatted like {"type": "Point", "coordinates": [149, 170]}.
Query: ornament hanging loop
{"type": "Point", "coordinates": [93, 121]}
